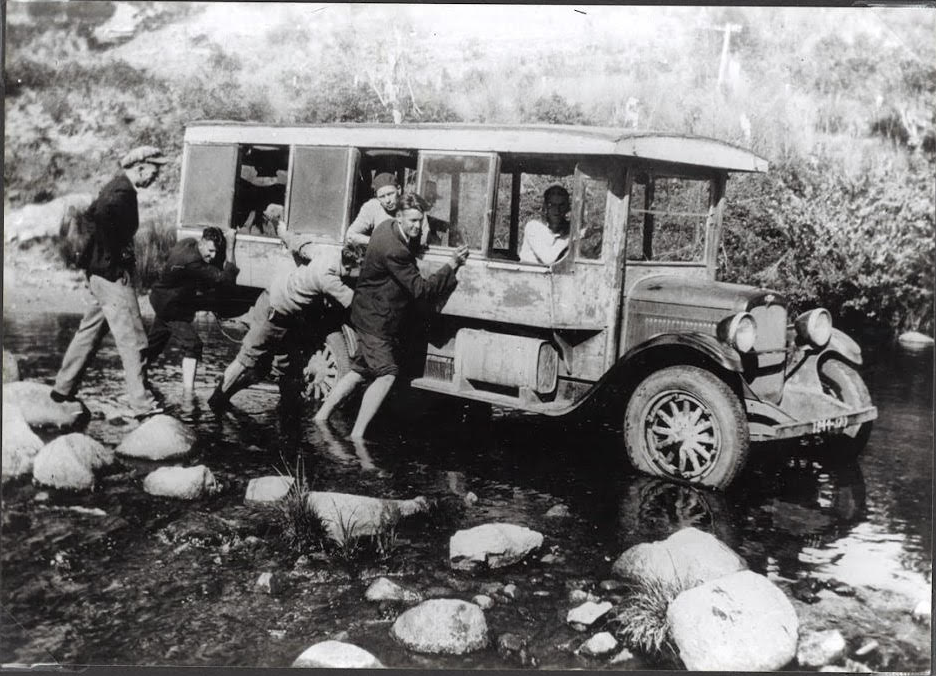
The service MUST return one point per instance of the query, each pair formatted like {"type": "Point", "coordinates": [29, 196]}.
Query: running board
{"type": "Point", "coordinates": [550, 408]}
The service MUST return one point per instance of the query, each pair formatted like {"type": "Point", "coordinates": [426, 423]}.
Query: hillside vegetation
{"type": "Point", "coordinates": [841, 102]}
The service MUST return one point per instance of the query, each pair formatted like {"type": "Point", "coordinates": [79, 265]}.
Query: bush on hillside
{"type": "Point", "coordinates": [555, 109]}
{"type": "Point", "coordinates": [860, 244]}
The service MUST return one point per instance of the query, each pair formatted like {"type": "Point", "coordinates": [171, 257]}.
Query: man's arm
{"type": "Point", "coordinates": [334, 287]}
{"type": "Point", "coordinates": [294, 241]}
{"type": "Point", "coordinates": [401, 265]}
{"type": "Point", "coordinates": [361, 227]}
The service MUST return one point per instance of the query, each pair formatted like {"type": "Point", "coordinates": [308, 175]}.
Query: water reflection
{"type": "Point", "coordinates": [794, 515]}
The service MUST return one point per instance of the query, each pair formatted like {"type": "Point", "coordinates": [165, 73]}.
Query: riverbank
{"type": "Point", "coordinates": [36, 281]}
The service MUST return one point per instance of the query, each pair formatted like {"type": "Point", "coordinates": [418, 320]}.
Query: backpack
{"type": "Point", "coordinates": [79, 238]}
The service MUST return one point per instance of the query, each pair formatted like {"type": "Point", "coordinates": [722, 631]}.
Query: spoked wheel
{"type": "Point", "coordinates": [326, 366]}
{"type": "Point", "coordinates": [684, 423]}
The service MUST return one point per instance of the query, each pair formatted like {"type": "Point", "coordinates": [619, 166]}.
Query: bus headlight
{"type": "Point", "coordinates": [739, 331]}
{"type": "Point", "coordinates": [815, 327]}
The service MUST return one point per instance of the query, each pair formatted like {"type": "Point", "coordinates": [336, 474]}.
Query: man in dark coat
{"type": "Point", "coordinates": [389, 282]}
{"type": "Point", "coordinates": [190, 270]}
{"type": "Point", "coordinates": [113, 304]}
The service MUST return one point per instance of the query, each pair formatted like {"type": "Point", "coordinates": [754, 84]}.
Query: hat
{"type": "Point", "coordinates": [149, 154]}
{"type": "Point", "coordinates": [383, 180]}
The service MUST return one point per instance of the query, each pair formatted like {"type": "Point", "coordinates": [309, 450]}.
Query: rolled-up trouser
{"type": "Point", "coordinates": [114, 306]}
{"type": "Point", "coordinates": [266, 339]}
{"type": "Point", "coordinates": [162, 330]}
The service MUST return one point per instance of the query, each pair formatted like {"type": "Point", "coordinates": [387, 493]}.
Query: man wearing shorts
{"type": "Point", "coordinates": [278, 311]}
{"type": "Point", "coordinates": [389, 282]}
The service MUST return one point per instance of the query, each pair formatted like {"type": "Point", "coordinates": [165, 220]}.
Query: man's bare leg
{"type": "Point", "coordinates": [339, 393]}
{"type": "Point", "coordinates": [374, 395]}
{"type": "Point", "coordinates": [189, 366]}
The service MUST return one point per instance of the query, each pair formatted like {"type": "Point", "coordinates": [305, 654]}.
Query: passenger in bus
{"type": "Point", "coordinates": [545, 243]}
{"type": "Point", "coordinates": [194, 268]}
{"type": "Point", "coordinates": [278, 311]}
{"type": "Point", "coordinates": [376, 210]}
{"type": "Point", "coordinates": [388, 284]}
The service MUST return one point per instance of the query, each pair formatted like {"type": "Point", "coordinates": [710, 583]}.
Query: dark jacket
{"type": "Point", "coordinates": [174, 295]}
{"type": "Point", "coordinates": [390, 280]}
{"type": "Point", "coordinates": [116, 220]}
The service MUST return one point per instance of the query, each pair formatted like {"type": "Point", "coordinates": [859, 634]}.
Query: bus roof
{"type": "Point", "coordinates": [532, 139]}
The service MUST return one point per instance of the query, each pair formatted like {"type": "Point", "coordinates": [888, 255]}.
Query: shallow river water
{"type": "Point", "coordinates": [144, 580]}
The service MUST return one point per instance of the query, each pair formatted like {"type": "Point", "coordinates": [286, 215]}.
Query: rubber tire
{"type": "Point", "coordinates": [722, 406]}
{"type": "Point", "coordinates": [335, 343]}
{"type": "Point", "coordinates": [846, 384]}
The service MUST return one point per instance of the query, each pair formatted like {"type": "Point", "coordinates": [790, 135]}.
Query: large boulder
{"type": "Point", "coordinates": [20, 444]}
{"type": "Point", "coordinates": [162, 437]}
{"type": "Point", "coordinates": [687, 558]}
{"type": "Point", "coordinates": [336, 655]}
{"type": "Point", "coordinates": [34, 401]}
{"type": "Point", "coordinates": [40, 221]}
{"type": "Point", "coordinates": [268, 489]}
{"type": "Point", "coordinates": [186, 483]}
{"type": "Point", "coordinates": [11, 371]}
{"type": "Point", "coordinates": [70, 461]}
{"type": "Point", "coordinates": [345, 515]}
{"type": "Point", "coordinates": [446, 626]}
{"type": "Point", "coordinates": [494, 545]}
{"type": "Point", "coordinates": [739, 622]}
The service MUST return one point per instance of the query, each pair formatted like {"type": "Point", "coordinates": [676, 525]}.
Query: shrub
{"type": "Point", "coordinates": [151, 245]}
{"type": "Point", "coordinates": [554, 109]}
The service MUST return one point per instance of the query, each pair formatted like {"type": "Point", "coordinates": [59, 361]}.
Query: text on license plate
{"type": "Point", "coordinates": [827, 424]}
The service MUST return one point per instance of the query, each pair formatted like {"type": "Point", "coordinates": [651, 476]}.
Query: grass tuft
{"type": "Point", "coordinates": [640, 620]}
{"type": "Point", "coordinates": [302, 531]}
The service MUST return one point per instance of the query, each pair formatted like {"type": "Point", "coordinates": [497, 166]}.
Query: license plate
{"type": "Point", "coordinates": [828, 424]}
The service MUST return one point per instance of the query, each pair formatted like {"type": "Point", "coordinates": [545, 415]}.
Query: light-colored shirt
{"type": "Point", "coordinates": [369, 217]}
{"type": "Point", "coordinates": [292, 290]}
{"type": "Point", "coordinates": [542, 245]}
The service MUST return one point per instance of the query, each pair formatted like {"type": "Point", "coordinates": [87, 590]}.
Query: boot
{"type": "Point", "coordinates": [236, 377]}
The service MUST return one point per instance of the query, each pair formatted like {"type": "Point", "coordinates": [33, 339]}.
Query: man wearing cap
{"type": "Point", "coordinates": [376, 210]}
{"type": "Point", "coordinates": [389, 282]}
{"type": "Point", "coordinates": [113, 303]}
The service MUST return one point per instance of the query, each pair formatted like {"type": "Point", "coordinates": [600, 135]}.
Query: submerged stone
{"type": "Point", "coordinates": [494, 545]}
{"type": "Point", "coordinates": [345, 515]}
{"type": "Point", "coordinates": [336, 655]}
{"type": "Point", "coordinates": [162, 437]}
{"type": "Point", "coordinates": [383, 589]}
{"type": "Point", "coordinates": [818, 648]}
{"type": "Point", "coordinates": [34, 401]}
{"type": "Point", "coordinates": [685, 559]}
{"type": "Point", "coordinates": [442, 626]}
{"type": "Point", "coordinates": [70, 461]}
{"type": "Point", "coordinates": [186, 483]}
{"type": "Point", "coordinates": [268, 489]}
{"type": "Point", "coordinates": [20, 444]}
{"type": "Point", "coordinates": [599, 644]}
{"type": "Point", "coordinates": [588, 613]}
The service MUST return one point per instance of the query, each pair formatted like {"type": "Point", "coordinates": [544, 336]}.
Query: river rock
{"type": "Point", "coordinates": [268, 489]}
{"type": "Point", "coordinates": [162, 437]}
{"type": "Point", "coordinates": [269, 583]}
{"type": "Point", "coordinates": [558, 512]}
{"type": "Point", "coordinates": [739, 622]}
{"type": "Point", "coordinates": [70, 461]}
{"type": "Point", "coordinates": [598, 645]}
{"type": "Point", "coordinates": [923, 611]}
{"type": "Point", "coordinates": [687, 558]}
{"type": "Point", "coordinates": [37, 407]}
{"type": "Point", "coordinates": [186, 483]}
{"type": "Point", "coordinates": [345, 515]}
{"type": "Point", "coordinates": [383, 589]}
{"type": "Point", "coordinates": [483, 601]}
{"type": "Point", "coordinates": [336, 655]}
{"type": "Point", "coordinates": [915, 339]}
{"type": "Point", "coordinates": [11, 370]}
{"type": "Point", "coordinates": [448, 626]}
{"type": "Point", "coordinates": [20, 444]}
{"type": "Point", "coordinates": [492, 544]}
{"type": "Point", "coordinates": [588, 613]}
{"type": "Point", "coordinates": [818, 648]}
